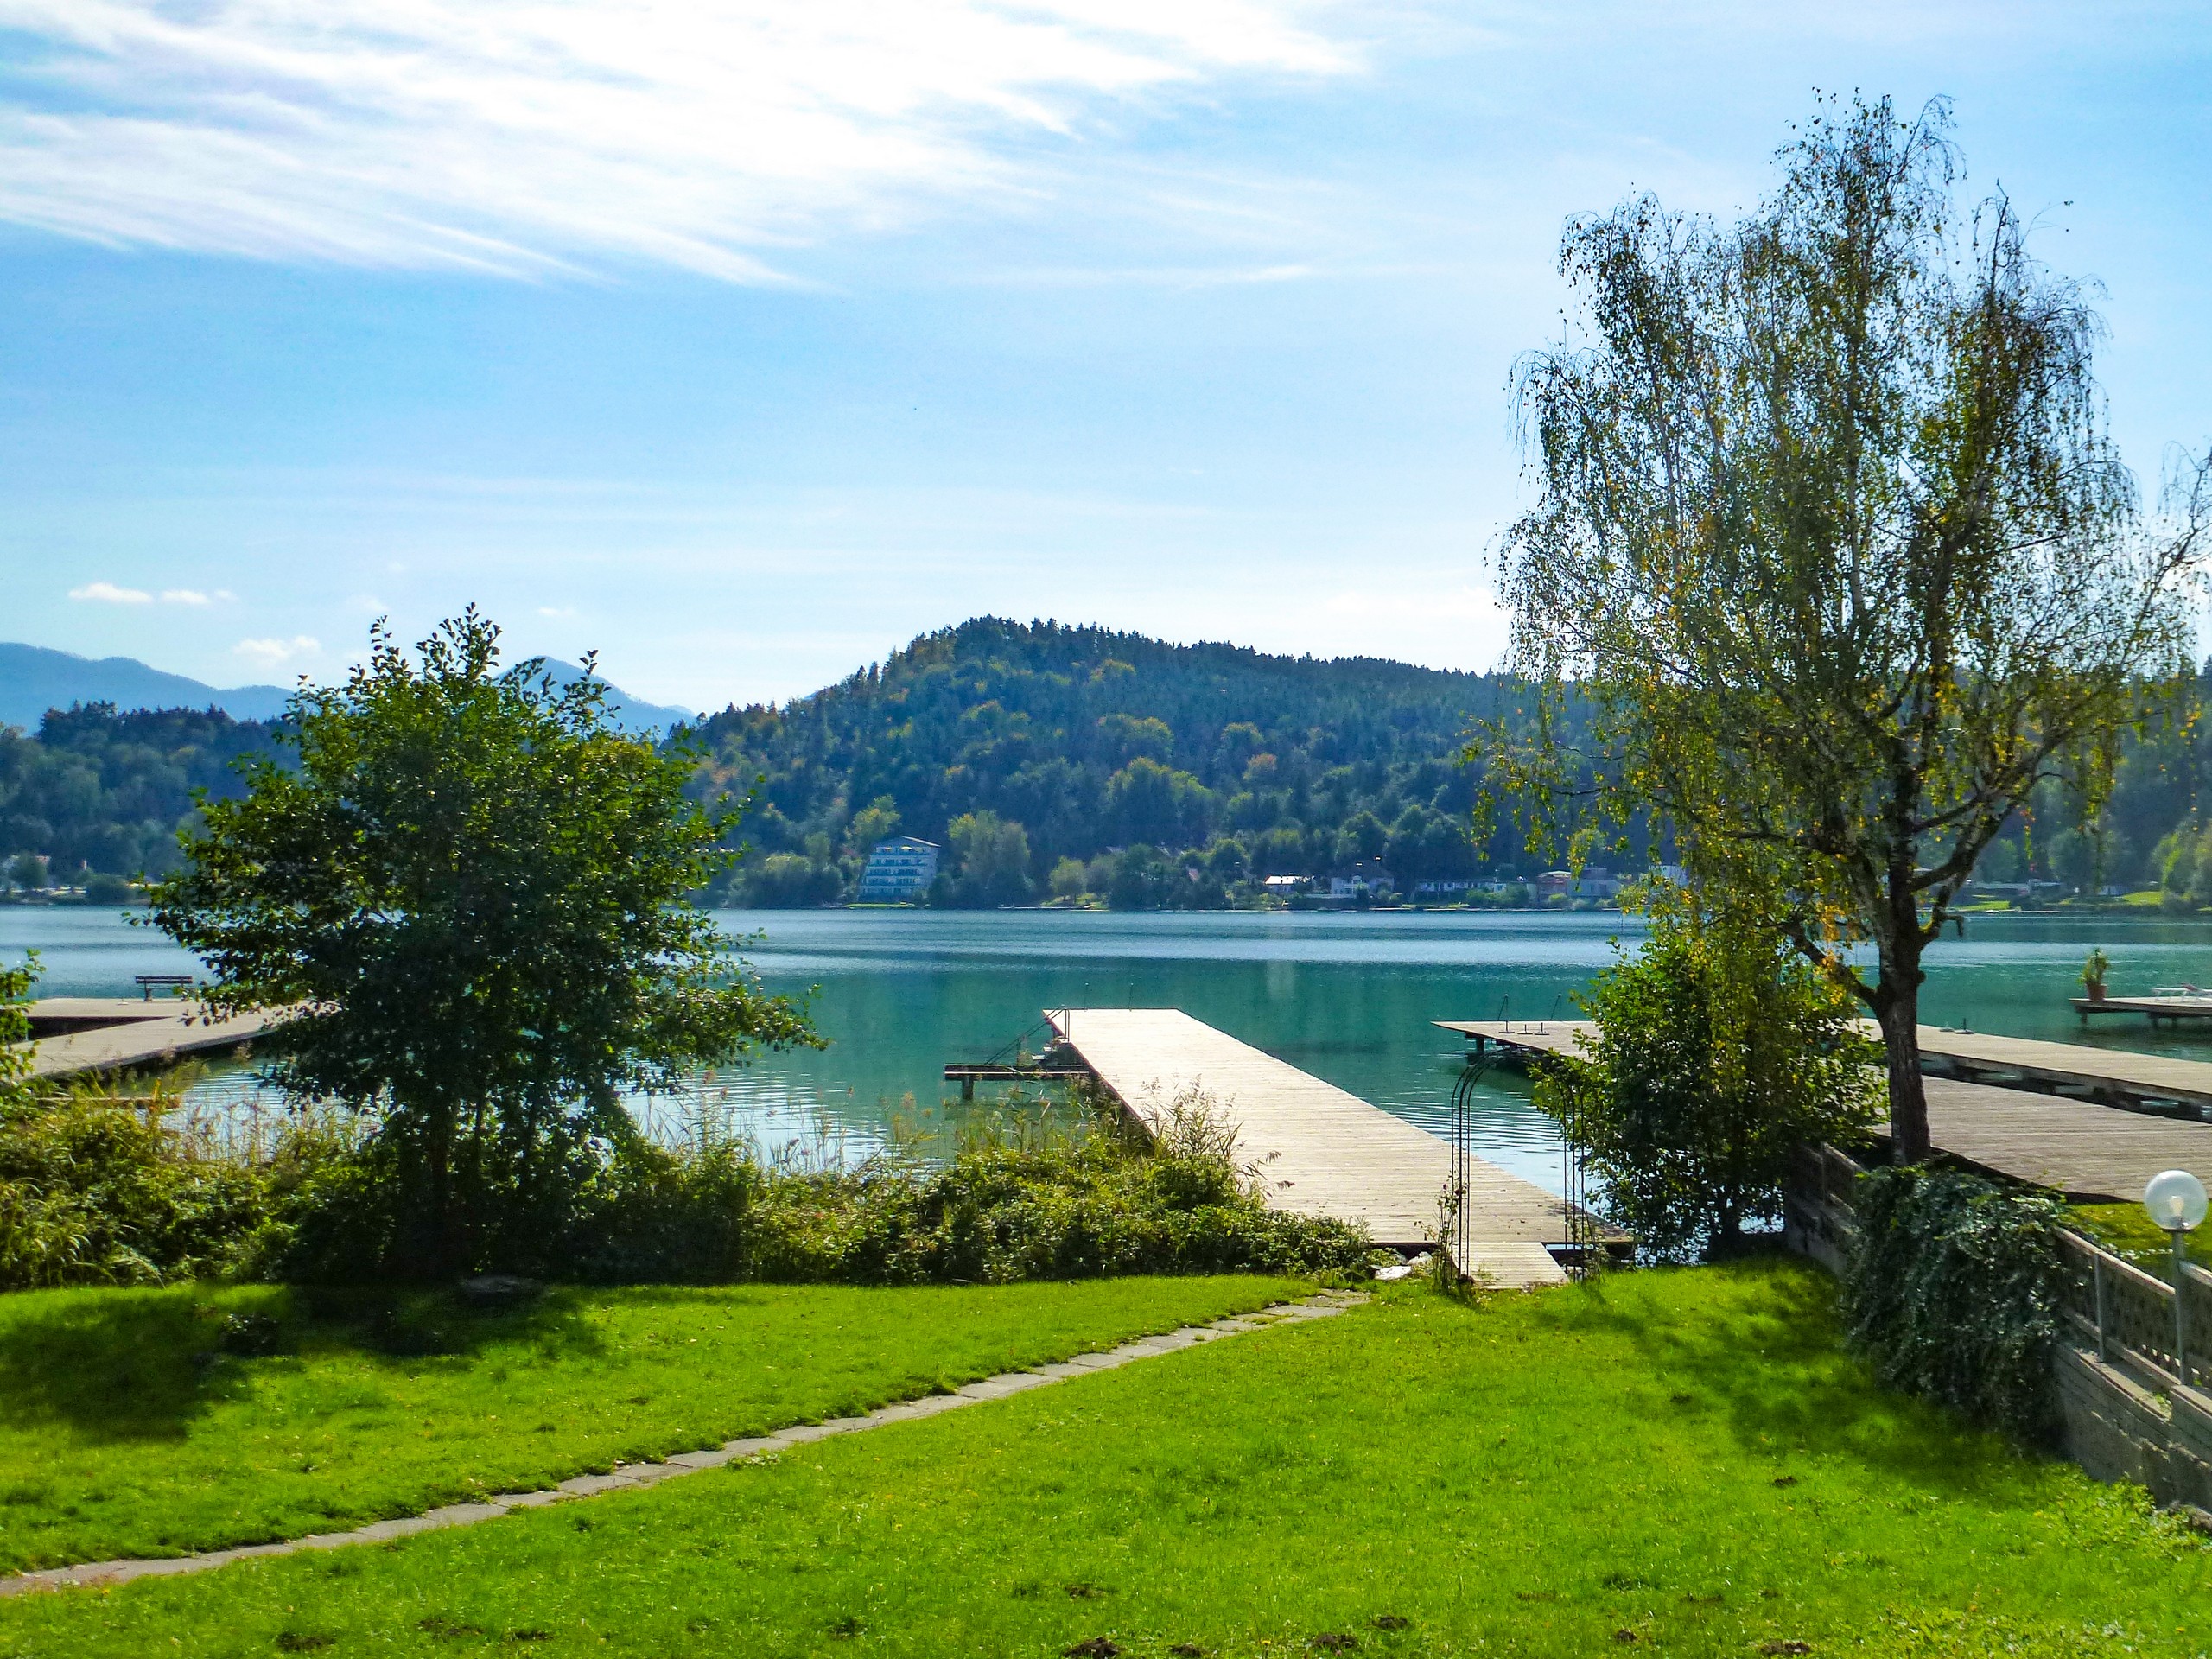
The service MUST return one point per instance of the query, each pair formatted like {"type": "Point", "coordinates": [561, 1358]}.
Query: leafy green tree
{"type": "Point", "coordinates": [470, 887]}
{"type": "Point", "coordinates": [1362, 837]}
{"type": "Point", "coordinates": [1068, 880]}
{"type": "Point", "coordinates": [28, 872]}
{"type": "Point", "coordinates": [992, 861]}
{"type": "Point", "coordinates": [1835, 549]}
{"type": "Point", "coordinates": [2000, 861]}
{"type": "Point", "coordinates": [877, 821]}
{"type": "Point", "coordinates": [1717, 1051]}
{"type": "Point", "coordinates": [1142, 878]}
{"type": "Point", "coordinates": [788, 882]}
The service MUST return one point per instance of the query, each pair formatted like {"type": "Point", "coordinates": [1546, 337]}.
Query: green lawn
{"type": "Point", "coordinates": [2126, 1230]}
{"type": "Point", "coordinates": [126, 1430]}
{"type": "Point", "coordinates": [1683, 1457]}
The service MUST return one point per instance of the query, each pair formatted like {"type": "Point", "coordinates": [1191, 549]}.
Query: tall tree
{"type": "Point", "coordinates": [1833, 537]}
{"type": "Point", "coordinates": [472, 887]}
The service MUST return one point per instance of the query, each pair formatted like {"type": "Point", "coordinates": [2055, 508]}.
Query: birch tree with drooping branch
{"type": "Point", "coordinates": [1834, 541]}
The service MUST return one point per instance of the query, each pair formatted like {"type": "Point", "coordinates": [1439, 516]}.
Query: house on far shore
{"type": "Point", "coordinates": [898, 871]}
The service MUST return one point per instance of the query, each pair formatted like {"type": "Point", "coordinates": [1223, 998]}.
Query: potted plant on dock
{"type": "Point", "coordinates": [2093, 972]}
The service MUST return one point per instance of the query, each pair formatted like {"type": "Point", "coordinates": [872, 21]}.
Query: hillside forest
{"type": "Point", "coordinates": [1073, 763]}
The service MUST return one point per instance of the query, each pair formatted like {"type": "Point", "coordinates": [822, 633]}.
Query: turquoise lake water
{"type": "Point", "coordinates": [1346, 996]}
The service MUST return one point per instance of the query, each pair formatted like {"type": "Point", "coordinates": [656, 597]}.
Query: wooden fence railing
{"type": "Point", "coordinates": [2125, 1312]}
{"type": "Point", "coordinates": [2130, 1314]}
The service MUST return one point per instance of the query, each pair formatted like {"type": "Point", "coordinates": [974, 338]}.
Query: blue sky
{"type": "Point", "coordinates": [743, 342]}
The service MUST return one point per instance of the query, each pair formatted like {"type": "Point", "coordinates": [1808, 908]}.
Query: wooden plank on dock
{"type": "Point", "coordinates": [1317, 1150]}
{"type": "Point", "coordinates": [117, 1033]}
{"type": "Point", "coordinates": [2172, 1009]}
{"type": "Point", "coordinates": [2089, 1153]}
{"type": "Point", "coordinates": [1521, 1037]}
{"type": "Point", "coordinates": [2122, 1075]}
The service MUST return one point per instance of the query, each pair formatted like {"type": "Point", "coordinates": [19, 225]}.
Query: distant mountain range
{"type": "Point", "coordinates": [33, 679]}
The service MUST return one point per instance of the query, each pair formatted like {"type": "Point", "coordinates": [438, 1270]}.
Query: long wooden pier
{"type": "Point", "coordinates": [72, 1035]}
{"type": "Point", "coordinates": [2090, 1151]}
{"type": "Point", "coordinates": [1316, 1149]}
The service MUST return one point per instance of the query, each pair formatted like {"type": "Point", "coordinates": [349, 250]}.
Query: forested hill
{"type": "Point", "coordinates": [1050, 759]}
{"type": "Point", "coordinates": [1090, 740]}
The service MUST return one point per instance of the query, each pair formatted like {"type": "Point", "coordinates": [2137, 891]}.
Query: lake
{"type": "Point", "coordinates": [1345, 995]}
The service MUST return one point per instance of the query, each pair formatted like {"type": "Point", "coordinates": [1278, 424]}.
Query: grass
{"type": "Point", "coordinates": [126, 1429]}
{"type": "Point", "coordinates": [1676, 1462]}
{"type": "Point", "coordinates": [2126, 1230]}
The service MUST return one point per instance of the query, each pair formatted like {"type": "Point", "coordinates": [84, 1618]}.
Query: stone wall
{"type": "Point", "coordinates": [2119, 1430]}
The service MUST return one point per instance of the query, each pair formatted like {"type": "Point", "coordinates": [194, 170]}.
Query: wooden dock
{"type": "Point", "coordinates": [2171, 1008]}
{"type": "Point", "coordinates": [2089, 1151]}
{"type": "Point", "coordinates": [1520, 1038]}
{"type": "Point", "coordinates": [73, 1035]}
{"type": "Point", "coordinates": [1317, 1150]}
{"type": "Point", "coordinates": [2154, 1083]}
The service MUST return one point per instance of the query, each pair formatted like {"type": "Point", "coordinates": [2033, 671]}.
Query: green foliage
{"type": "Point", "coordinates": [1003, 1206]}
{"type": "Point", "coordinates": [14, 1029]}
{"type": "Point", "coordinates": [1717, 1052]}
{"type": "Point", "coordinates": [2095, 966]}
{"type": "Point", "coordinates": [1952, 1292]}
{"type": "Point", "coordinates": [471, 889]}
{"type": "Point", "coordinates": [1836, 546]}
{"type": "Point", "coordinates": [786, 882]}
{"type": "Point", "coordinates": [1094, 743]}
{"type": "Point", "coordinates": [94, 1190]}
{"type": "Point", "coordinates": [990, 862]}
{"type": "Point", "coordinates": [110, 790]}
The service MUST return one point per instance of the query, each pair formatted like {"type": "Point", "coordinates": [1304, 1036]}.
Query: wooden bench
{"type": "Point", "coordinates": [146, 982]}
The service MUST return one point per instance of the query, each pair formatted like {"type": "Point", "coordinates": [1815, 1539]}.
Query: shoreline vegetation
{"type": "Point", "coordinates": [1081, 767]}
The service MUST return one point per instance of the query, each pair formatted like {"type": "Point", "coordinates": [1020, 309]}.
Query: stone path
{"type": "Point", "coordinates": [631, 1476]}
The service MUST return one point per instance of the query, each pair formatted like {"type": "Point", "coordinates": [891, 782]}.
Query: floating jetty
{"type": "Point", "coordinates": [1317, 1150]}
{"type": "Point", "coordinates": [73, 1035]}
{"type": "Point", "coordinates": [2172, 1008]}
{"type": "Point", "coordinates": [2097, 1150]}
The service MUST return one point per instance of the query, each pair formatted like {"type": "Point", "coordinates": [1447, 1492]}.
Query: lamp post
{"type": "Point", "coordinates": [2176, 1201]}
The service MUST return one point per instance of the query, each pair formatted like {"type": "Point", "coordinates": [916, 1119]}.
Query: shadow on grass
{"type": "Point", "coordinates": [118, 1365]}
{"type": "Point", "coordinates": [1763, 1350]}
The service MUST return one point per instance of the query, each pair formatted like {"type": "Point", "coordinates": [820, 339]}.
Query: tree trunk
{"type": "Point", "coordinates": [1898, 1012]}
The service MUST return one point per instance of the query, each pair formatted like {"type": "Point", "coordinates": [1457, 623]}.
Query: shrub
{"type": "Point", "coordinates": [97, 1192]}
{"type": "Point", "coordinates": [1952, 1292]}
{"type": "Point", "coordinates": [1717, 1052]}
{"type": "Point", "coordinates": [1009, 1203]}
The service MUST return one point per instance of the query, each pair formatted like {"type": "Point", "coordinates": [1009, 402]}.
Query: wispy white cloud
{"type": "Point", "coordinates": [194, 596]}
{"type": "Point", "coordinates": [548, 134]}
{"type": "Point", "coordinates": [272, 653]}
{"type": "Point", "coordinates": [106, 593]}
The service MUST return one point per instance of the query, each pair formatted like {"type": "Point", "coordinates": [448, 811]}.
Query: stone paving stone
{"type": "Point", "coordinates": [638, 1475]}
{"type": "Point", "coordinates": [712, 1460]}
{"type": "Point", "coordinates": [759, 1445]}
{"type": "Point", "coordinates": [801, 1434]}
{"type": "Point", "coordinates": [592, 1485]}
